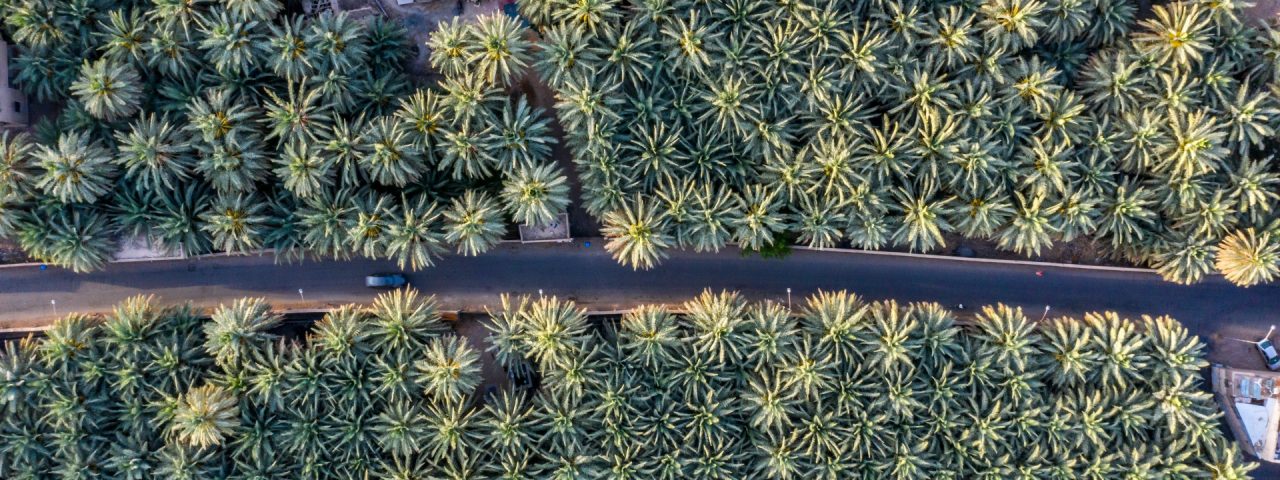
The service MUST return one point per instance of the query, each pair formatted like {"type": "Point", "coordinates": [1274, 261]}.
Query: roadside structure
{"type": "Point", "coordinates": [1251, 402]}
{"type": "Point", "coordinates": [13, 103]}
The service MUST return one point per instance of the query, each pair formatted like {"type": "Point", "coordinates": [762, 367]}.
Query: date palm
{"type": "Point", "coordinates": [536, 195]}
{"type": "Point", "coordinates": [553, 331]}
{"type": "Point", "coordinates": [289, 55]}
{"type": "Point", "coordinates": [236, 330]}
{"type": "Point", "coordinates": [923, 219]}
{"type": "Point", "coordinates": [474, 223]}
{"type": "Point", "coordinates": [760, 221]}
{"type": "Point", "coordinates": [298, 116]}
{"type": "Point", "coordinates": [76, 238]}
{"type": "Point", "coordinates": [304, 169]}
{"type": "Point", "coordinates": [637, 234]}
{"type": "Point", "coordinates": [16, 165]}
{"type": "Point", "coordinates": [1185, 259]}
{"type": "Point", "coordinates": [1031, 228]}
{"type": "Point", "coordinates": [415, 236]}
{"type": "Point", "coordinates": [155, 154]}
{"type": "Point", "coordinates": [233, 43]}
{"type": "Point", "coordinates": [76, 170]}
{"type": "Point", "coordinates": [521, 136]}
{"type": "Point", "coordinates": [497, 49]}
{"type": "Point", "coordinates": [236, 223]}
{"type": "Point", "coordinates": [1247, 257]}
{"type": "Point", "coordinates": [336, 42]}
{"type": "Point", "coordinates": [323, 219]}
{"type": "Point", "coordinates": [390, 156]}
{"type": "Point", "coordinates": [1179, 34]}
{"type": "Point", "coordinates": [449, 368]}
{"type": "Point", "coordinates": [205, 416]}
{"type": "Point", "coordinates": [179, 220]}
{"type": "Point", "coordinates": [109, 90]}
{"type": "Point", "coordinates": [403, 320]}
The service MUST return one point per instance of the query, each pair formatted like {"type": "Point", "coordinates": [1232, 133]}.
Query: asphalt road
{"type": "Point", "coordinates": [1214, 309]}
{"type": "Point", "coordinates": [590, 276]}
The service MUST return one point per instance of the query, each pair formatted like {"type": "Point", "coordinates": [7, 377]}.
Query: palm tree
{"type": "Point", "coordinates": [1185, 259]}
{"type": "Point", "coordinates": [554, 331]}
{"type": "Point", "coordinates": [387, 41]}
{"type": "Point", "coordinates": [1012, 24]}
{"type": "Point", "coordinates": [15, 165]}
{"type": "Point", "coordinates": [304, 169]}
{"type": "Point", "coordinates": [390, 157]}
{"type": "Point", "coordinates": [369, 222]}
{"type": "Point", "coordinates": [819, 219]}
{"type": "Point", "coordinates": [497, 49]}
{"type": "Point", "coordinates": [449, 368]}
{"type": "Point", "coordinates": [1031, 228]}
{"type": "Point", "coordinates": [300, 116]}
{"type": "Point", "coordinates": [289, 55]}
{"type": "Point", "coordinates": [237, 330]}
{"type": "Point", "coordinates": [205, 416]}
{"type": "Point", "coordinates": [234, 42]}
{"type": "Point", "coordinates": [236, 223]}
{"type": "Point", "coordinates": [108, 90]}
{"type": "Point", "coordinates": [474, 223]}
{"type": "Point", "coordinates": [1247, 258]}
{"type": "Point", "coordinates": [324, 220]}
{"type": "Point", "coordinates": [756, 227]}
{"type": "Point", "coordinates": [169, 50]}
{"type": "Point", "coordinates": [923, 219]}
{"type": "Point", "coordinates": [336, 42]}
{"type": "Point", "coordinates": [179, 222]}
{"type": "Point", "coordinates": [521, 137]}
{"type": "Point", "coordinates": [125, 37]}
{"type": "Point", "coordinates": [448, 45]}
{"type": "Point", "coordinates": [464, 153]}
{"type": "Point", "coordinates": [714, 212]}
{"type": "Point", "coordinates": [219, 114]}
{"type": "Point", "coordinates": [1178, 34]}
{"type": "Point", "coordinates": [535, 196]}
{"type": "Point", "coordinates": [77, 238]}
{"type": "Point", "coordinates": [404, 320]}
{"type": "Point", "coordinates": [76, 170]}
{"type": "Point", "coordinates": [154, 153]}
{"type": "Point", "coordinates": [637, 234]}
{"type": "Point", "coordinates": [414, 237]}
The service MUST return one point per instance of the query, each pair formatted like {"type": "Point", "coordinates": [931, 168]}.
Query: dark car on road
{"type": "Point", "coordinates": [385, 280]}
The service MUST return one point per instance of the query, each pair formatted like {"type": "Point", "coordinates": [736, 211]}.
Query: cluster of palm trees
{"type": "Point", "coordinates": [726, 388]}
{"type": "Point", "coordinates": [890, 124]}
{"type": "Point", "coordinates": [235, 126]}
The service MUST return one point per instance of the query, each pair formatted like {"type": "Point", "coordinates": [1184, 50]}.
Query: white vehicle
{"type": "Point", "coordinates": [1267, 349]}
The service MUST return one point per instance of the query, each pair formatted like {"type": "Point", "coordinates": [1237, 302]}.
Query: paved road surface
{"type": "Point", "coordinates": [1213, 309]}
{"type": "Point", "coordinates": [588, 275]}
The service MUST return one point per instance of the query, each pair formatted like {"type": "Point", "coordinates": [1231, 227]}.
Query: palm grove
{"type": "Point", "coordinates": [726, 389]}
{"type": "Point", "coordinates": [233, 126]}
{"type": "Point", "coordinates": [887, 124]}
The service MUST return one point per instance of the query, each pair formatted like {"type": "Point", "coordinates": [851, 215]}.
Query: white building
{"type": "Point", "coordinates": [13, 104]}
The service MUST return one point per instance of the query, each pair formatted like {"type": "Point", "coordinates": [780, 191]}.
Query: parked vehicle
{"type": "Point", "coordinates": [1268, 351]}
{"type": "Point", "coordinates": [385, 280]}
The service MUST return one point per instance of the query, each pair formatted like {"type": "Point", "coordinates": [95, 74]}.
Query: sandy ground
{"type": "Point", "coordinates": [1263, 10]}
